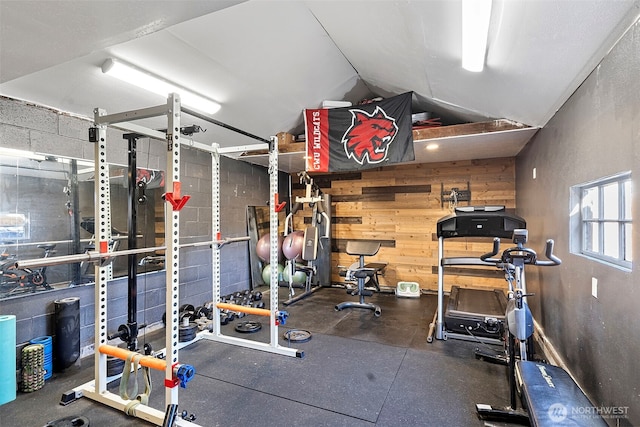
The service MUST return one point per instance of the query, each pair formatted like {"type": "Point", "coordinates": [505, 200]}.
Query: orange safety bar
{"type": "Point", "coordinates": [244, 309]}
{"type": "Point", "coordinates": [121, 353]}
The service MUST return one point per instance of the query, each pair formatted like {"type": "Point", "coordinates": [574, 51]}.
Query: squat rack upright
{"type": "Point", "coordinates": [97, 388]}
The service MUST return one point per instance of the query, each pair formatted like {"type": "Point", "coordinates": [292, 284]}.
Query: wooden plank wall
{"type": "Point", "coordinates": [400, 206]}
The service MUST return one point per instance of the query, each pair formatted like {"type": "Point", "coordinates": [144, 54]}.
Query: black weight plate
{"type": "Point", "coordinates": [114, 366]}
{"type": "Point", "coordinates": [297, 335]}
{"type": "Point", "coordinates": [248, 326]}
{"type": "Point", "coordinates": [187, 333]}
{"type": "Point", "coordinates": [188, 329]}
{"type": "Point", "coordinates": [71, 421]}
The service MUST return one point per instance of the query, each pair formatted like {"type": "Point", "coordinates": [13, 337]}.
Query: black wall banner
{"type": "Point", "coordinates": [359, 137]}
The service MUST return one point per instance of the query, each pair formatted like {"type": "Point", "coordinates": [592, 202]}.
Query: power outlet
{"type": "Point", "coordinates": [594, 287]}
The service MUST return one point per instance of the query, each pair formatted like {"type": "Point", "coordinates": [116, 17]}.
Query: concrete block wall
{"type": "Point", "coordinates": [34, 128]}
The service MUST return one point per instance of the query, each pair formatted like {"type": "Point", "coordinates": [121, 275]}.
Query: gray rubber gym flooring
{"type": "Point", "coordinates": [358, 370]}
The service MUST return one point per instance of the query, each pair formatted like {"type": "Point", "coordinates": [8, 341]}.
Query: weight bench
{"type": "Point", "coordinates": [551, 397]}
{"type": "Point", "coordinates": [362, 249]}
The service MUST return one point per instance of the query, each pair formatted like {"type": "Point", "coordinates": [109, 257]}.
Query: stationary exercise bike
{"type": "Point", "coordinates": [519, 321]}
{"type": "Point", "coordinates": [18, 280]}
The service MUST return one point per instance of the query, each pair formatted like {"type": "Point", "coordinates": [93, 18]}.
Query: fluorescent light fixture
{"type": "Point", "coordinates": [476, 15]}
{"type": "Point", "coordinates": [432, 146]}
{"type": "Point", "coordinates": [12, 152]}
{"type": "Point", "coordinates": [155, 84]}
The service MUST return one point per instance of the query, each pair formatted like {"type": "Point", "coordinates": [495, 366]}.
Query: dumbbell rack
{"type": "Point", "coordinates": [194, 319]}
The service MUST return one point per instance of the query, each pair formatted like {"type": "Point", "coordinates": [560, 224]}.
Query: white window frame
{"type": "Point", "coordinates": [583, 226]}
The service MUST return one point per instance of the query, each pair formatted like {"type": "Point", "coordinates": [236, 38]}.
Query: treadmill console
{"type": "Point", "coordinates": [480, 221]}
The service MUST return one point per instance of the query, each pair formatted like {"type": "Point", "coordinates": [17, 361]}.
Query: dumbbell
{"type": "Point", "coordinates": [186, 310]}
{"type": "Point", "coordinates": [223, 319]}
{"type": "Point", "coordinates": [200, 312]}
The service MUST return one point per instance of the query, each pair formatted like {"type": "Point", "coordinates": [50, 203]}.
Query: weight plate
{"type": "Point", "coordinates": [114, 366]}
{"type": "Point", "coordinates": [297, 335]}
{"type": "Point", "coordinates": [72, 421]}
{"type": "Point", "coordinates": [187, 333]}
{"type": "Point", "coordinates": [188, 329]}
{"type": "Point", "coordinates": [248, 326]}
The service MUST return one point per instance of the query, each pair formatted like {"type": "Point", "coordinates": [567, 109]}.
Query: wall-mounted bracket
{"type": "Point", "coordinates": [454, 195]}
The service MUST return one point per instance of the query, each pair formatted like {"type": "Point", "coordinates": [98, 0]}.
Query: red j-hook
{"type": "Point", "coordinates": [174, 198]}
{"type": "Point", "coordinates": [277, 205]}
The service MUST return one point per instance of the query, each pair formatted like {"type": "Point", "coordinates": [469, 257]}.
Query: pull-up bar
{"type": "Point", "coordinates": [161, 110]}
{"type": "Point", "coordinates": [221, 124]}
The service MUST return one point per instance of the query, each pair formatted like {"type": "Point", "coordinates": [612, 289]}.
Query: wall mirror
{"type": "Point", "coordinates": [47, 209]}
{"type": "Point", "coordinates": [258, 226]}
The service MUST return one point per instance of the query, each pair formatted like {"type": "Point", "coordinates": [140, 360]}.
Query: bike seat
{"type": "Point", "coordinates": [47, 248]}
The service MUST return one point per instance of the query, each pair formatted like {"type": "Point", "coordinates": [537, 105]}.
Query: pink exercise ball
{"type": "Point", "coordinates": [263, 248]}
{"type": "Point", "coordinates": [293, 244]}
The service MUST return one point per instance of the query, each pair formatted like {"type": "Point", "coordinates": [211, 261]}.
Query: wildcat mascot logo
{"type": "Point", "coordinates": [369, 136]}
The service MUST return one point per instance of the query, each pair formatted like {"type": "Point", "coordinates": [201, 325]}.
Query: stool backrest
{"type": "Point", "coordinates": [366, 248]}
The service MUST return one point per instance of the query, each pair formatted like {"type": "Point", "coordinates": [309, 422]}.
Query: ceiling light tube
{"type": "Point", "coordinates": [476, 15]}
{"type": "Point", "coordinates": [145, 80]}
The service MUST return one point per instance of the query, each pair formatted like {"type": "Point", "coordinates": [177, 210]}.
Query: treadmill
{"type": "Point", "coordinates": [472, 314]}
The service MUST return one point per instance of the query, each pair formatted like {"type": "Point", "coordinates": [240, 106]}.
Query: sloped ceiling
{"type": "Point", "coordinates": [266, 60]}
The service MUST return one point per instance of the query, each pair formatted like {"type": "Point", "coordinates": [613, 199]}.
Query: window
{"type": "Point", "coordinates": [603, 230]}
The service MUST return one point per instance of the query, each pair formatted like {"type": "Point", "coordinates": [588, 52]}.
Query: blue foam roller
{"type": "Point", "coordinates": [7, 358]}
{"type": "Point", "coordinates": [47, 342]}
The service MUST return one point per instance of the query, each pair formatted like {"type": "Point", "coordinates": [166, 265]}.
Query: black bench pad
{"type": "Point", "coordinates": [553, 398]}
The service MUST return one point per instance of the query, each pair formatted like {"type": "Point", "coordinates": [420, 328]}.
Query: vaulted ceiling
{"type": "Point", "coordinates": [265, 61]}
